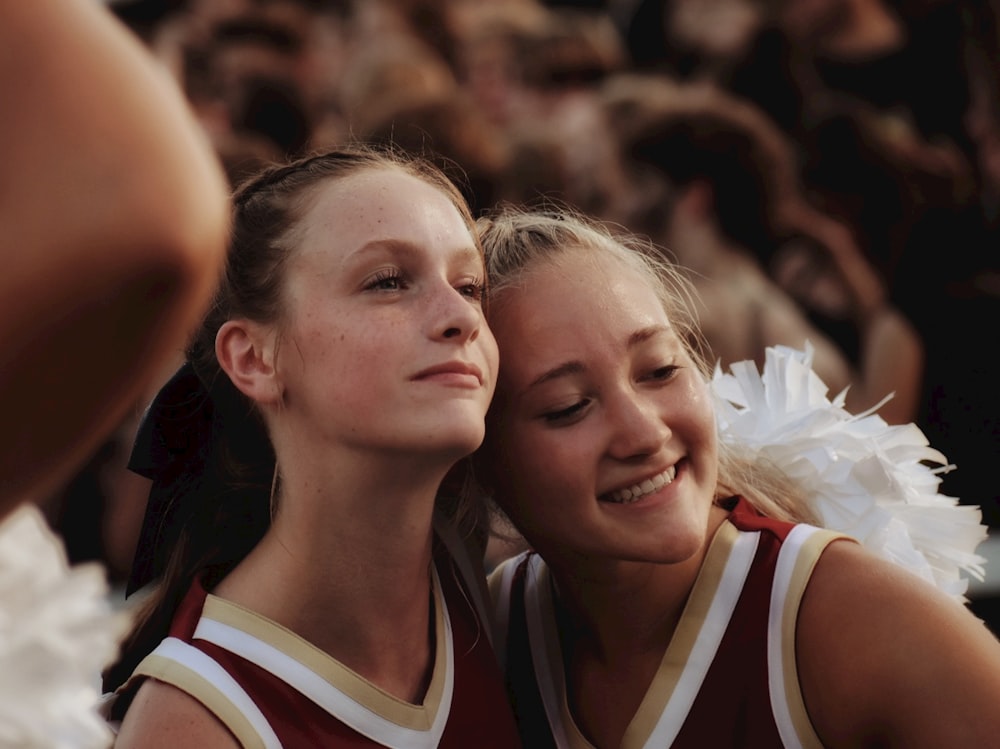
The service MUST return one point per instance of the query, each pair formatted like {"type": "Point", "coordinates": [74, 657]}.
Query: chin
{"type": "Point", "coordinates": [671, 547]}
{"type": "Point", "coordinates": [678, 553]}
{"type": "Point", "coordinates": [457, 442]}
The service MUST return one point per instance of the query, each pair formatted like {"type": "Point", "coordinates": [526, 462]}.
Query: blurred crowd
{"type": "Point", "coordinates": [827, 170]}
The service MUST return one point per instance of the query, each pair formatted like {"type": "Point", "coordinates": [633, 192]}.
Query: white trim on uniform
{"type": "Point", "coordinates": [706, 645]}
{"type": "Point", "coordinates": [796, 559]}
{"type": "Point", "coordinates": [198, 663]}
{"type": "Point", "coordinates": [360, 717]}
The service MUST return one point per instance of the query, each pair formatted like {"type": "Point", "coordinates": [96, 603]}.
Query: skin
{"type": "Point", "coordinates": [884, 657]}
{"type": "Point", "coordinates": [115, 217]}
{"type": "Point", "coordinates": [886, 660]}
{"type": "Point", "coordinates": [382, 290]}
{"type": "Point", "coordinates": [363, 318]}
{"type": "Point", "coordinates": [584, 410]}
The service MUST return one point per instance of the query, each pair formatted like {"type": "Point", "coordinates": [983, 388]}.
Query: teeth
{"type": "Point", "coordinates": [632, 493]}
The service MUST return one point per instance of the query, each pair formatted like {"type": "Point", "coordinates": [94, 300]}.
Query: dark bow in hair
{"type": "Point", "coordinates": [171, 444]}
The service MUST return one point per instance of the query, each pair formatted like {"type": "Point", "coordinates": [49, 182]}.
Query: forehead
{"type": "Point", "coordinates": [591, 282]}
{"type": "Point", "coordinates": [379, 204]}
{"type": "Point", "coordinates": [572, 307]}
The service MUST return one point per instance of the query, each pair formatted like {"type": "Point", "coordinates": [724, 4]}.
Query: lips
{"type": "Point", "coordinates": [636, 492]}
{"type": "Point", "coordinates": [454, 371]}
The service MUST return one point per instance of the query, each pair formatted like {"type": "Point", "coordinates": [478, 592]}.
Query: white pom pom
{"type": "Point", "coordinates": [865, 478]}
{"type": "Point", "coordinates": [57, 631]}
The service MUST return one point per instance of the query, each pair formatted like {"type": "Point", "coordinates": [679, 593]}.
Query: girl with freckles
{"type": "Point", "coordinates": [311, 587]}
{"type": "Point", "coordinates": [673, 594]}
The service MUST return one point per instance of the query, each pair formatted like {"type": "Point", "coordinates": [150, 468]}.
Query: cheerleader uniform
{"type": "Point", "coordinates": [273, 689]}
{"type": "Point", "coordinates": [728, 677]}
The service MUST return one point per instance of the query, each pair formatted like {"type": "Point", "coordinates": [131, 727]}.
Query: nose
{"type": "Point", "coordinates": [456, 317]}
{"type": "Point", "coordinates": [637, 426]}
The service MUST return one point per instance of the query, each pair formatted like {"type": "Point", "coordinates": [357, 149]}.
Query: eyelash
{"type": "Point", "coordinates": [661, 374]}
{"type": "Point", "coordinates": [565, 414]}
{"type": "Point", "coordinates": [474, 290]}
{"type": "Point", "coordinates": [664, 373]}
{"type": "Point", "coordinates": [377, 283]}
{"type": "Point", "coordinates": [477, 289]}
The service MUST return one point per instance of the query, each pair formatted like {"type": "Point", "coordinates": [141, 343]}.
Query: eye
{"type": "Point", "coordinates": [567, 415]}
{"type": "Point", "coordinates": [386, 280]}
{"type": "Point", "coordinates": [473, 290]}
{"type": "Point", "coordinates": [663, 374]}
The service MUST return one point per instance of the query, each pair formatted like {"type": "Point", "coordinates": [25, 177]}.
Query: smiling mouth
{"type": "Point", "coordinates": [636, 492]}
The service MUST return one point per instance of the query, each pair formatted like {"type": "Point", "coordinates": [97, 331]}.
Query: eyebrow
{"type": "Point", "coordinates": [576, 367]}
{"type": "Point", "coordinates": [405, 246]}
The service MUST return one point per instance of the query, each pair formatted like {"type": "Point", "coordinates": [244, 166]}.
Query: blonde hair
{"type": "Point", "coordinates": [515, 240]}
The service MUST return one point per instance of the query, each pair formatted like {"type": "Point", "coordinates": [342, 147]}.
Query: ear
{"type": "Point", "coordinates": [245, 351]}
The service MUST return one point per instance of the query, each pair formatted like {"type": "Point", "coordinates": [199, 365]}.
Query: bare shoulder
{"type": "Point", "coordinates": [886, 658]}
{"type": "Point", "coordinates": [162, 716]}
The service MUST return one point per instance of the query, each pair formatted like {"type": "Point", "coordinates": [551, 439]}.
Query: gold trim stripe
{"type": "Point", "coordinates": [214, 700]}
{"type": "Point", "coordinates": [340, 677]}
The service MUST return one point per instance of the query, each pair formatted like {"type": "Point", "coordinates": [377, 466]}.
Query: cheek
{"type": "Point", "coordinates": [339, 360]}
{"type": "Point", "coordinates": [701, 425]}
{"type": "Point", "coordinates": [703, 416]}
{"type": "Point", "coordinates": [696, 402]}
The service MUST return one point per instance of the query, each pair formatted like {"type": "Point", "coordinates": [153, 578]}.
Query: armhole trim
{"type": "Point", "coordinates": [799, 553]}
{"type": "Point", "coordinates": [197, 674]}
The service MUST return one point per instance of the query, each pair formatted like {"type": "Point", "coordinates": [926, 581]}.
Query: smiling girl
{"type": "Point", "coordinates": [342, 372]}
{"type": "Point", "coordinates": [675, 597]}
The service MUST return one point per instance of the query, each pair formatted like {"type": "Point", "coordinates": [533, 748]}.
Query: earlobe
{"type": "Point", "coordinates": [245, 351]}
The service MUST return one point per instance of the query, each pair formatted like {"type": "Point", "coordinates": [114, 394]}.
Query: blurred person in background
{"type": "Point", "coordinates": [732, 193]}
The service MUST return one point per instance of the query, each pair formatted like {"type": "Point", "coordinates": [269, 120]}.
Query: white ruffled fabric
{"type": "Point", "coordinates": [57, 631]}
{"type": "Point", "coordinates": [866, 479]}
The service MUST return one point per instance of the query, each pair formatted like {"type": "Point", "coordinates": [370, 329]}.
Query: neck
{"type": "Point", "coordinates": [626, 608]}
{"type": "Point", "coordinates": [614, 633]}
{"type": "Point", "coordinates": [615, 628]}
{"type": "Point", "coordinates": [625, 615]}
{"type": "Point", "coordinates": [346, 565]}
{"type": "Point", "coordinates": [336, 519]}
